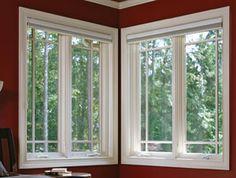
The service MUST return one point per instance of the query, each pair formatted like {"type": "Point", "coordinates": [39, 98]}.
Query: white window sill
{"type": "Point", "coordinates": [58, 161]}
{"type": "Point", "coordinates": [181, 162]}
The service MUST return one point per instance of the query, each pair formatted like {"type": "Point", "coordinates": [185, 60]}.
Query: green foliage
{"type": "Point", "coordinates": [37, 44]}
{"type": "Point", "coordinates": [156, 78]}
{"type": "Point", "coordinates": [156, 57]}
{"type": "Point", "coordinates": [200, 86]}
{"type": "Point", "coordinates": [85, 108]}
{"type": "Point", "coordinates": [201, 93]}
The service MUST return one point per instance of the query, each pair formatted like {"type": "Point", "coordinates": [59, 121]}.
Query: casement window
{"type": "Point", "coordinates": [68, 92]}
{"type": "Point", "coordinates": [175, 92]}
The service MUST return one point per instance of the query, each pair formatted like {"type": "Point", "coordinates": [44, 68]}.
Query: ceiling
{"type": "Point", "coordinates": [119, 4]}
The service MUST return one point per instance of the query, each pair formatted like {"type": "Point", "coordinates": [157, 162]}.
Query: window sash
{"type": "Point", "coordinates": [33, 140]}
{"type": "Point", "coordinates": [147, 69]}
{"type": "Point", "coordinates": [217, 143]}
{"type": "Point", "coordinates": [65, 96]}
{"type": "Point", "coordinates": [89, 96]}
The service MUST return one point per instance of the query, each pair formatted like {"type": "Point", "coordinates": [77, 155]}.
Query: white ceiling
{"type": "Point", "coordinates": [119, 5]}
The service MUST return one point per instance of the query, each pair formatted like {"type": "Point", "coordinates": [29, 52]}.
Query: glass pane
{"type": "Point", "coordinates": [220, 33]}
{"type": "Point", "coordinates": [39, 90]}
{"type": "Point", "coordinates": [42, 89]}
{"type": "Point", "coordinates": [199, 148]}
{"type": "Point", "coordinates": [159, 147]}
{"type": "Point", "coordinates": [220, 149]}
{"type": "Point", "coordinates": [81, 42]}
{"type": "Point", "coordinates": [143, 45]}
{"type": "Point", "coordinates": [159, 43]}
{"type": "Point", "coordinates": [29, 148]}
{"type": "Point", "coordinates": [96, 45]}
{"type": "Point", "coordinates": [81, 147]}
{"type": "Point", "coordinates": [30, 90]}
{"type": "Point", "coordinates": [96, 147]}
{"type": "Point", "coordinates": [156, 93]}
{"type": "Point", "coordinates": [195, 37]}
{"type": "Point", "coordinates": [86, 94]}
{"type": "Point", "coordinates": [46, 91]}
{"type": "Point", "coordinates": [220, 91]}
{"type": "Point", "coordinates": [30, 33]}
{"type": "Point", "coordinates": [53, 37]}
{"type": "Point", "coordinates": [40, 34]}
{"type": "Point", "coordinates": [160, 95]}
{"type": "Point", "coordinates": [201, 91]}
{"type": "Point", "coordinates": [143, 147]}
{"type": "Point", "coordinates": [39, 147]}
{"type": "Point", "coordinates": [52, 147]}
{"type": "Point", "coordinates": [52, 91]}
{"type": "Point", "coordinates": [80, 101]}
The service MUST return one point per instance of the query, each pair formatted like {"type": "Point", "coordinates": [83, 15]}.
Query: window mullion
{"type": "Point", "coordinates": [64, 116]}
{"type": "Point", "coordinates": [104, 99]}
{"type": "Point", "coordinates": [68, 95]}
{"type": "Point", "coordinates": [136, 98]}
{"type": "Point", "coordinates": [179, 99]}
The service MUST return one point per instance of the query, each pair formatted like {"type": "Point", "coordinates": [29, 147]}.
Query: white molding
{"type": "Point", "coordinates": [179, 163]}
{"type": "Point", "coordinates": [120, 5]}
{"type": "Point", "coordinates": [60, 162]}
{"type": "Point", "coordinates": [126, 83]}
{"type": "Point", "coordinates": [22, 85]}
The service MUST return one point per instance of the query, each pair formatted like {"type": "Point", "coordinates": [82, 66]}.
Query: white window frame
{"type": "Point", "coordinates": [130, 124]}
{"type": "Point", "coordinates": [109, 94]}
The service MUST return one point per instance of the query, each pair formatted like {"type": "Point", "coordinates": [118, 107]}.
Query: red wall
{"type": "Point", "coordinates": [162, 9]}
{"type": "Point", "coordinates": [9, 57]}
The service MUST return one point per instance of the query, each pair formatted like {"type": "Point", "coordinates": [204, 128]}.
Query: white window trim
{"type": "Point", "coordinates": [128, 123]}
{"type": "Point", "coordinates": [111, 86]}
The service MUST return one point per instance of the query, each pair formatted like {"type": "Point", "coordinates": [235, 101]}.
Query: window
{"type": "Point", "coordinates": [175, 90]}
{"type": "Point", "coordinates": [68, 92]}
